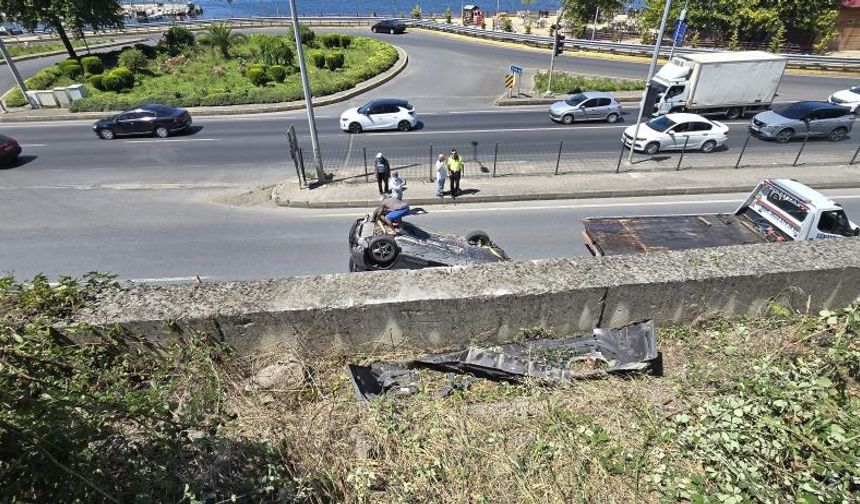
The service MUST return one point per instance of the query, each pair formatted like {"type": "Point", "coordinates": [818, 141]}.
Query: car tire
{"type": "Point", "coordinates": [391, 31]}
{"type": "Point", "coordinates": [354, 128]}
{"type": "Point", "coordinates": [784, 135]}
{"type": "Point", "coordinates": [106, 134]}
{"type": "Point", "coordinates": [372, 29]}
{"type": "Point", "coordinates": [709, 146]}
{"type": "Point", "coordinates": [612, 118]}
{"type": "Point", "coordinates": [837, 134]}
{"type": "Point", "coordinates": [162, 132]}
{"type": "Point", "coordinates": [652, 148]}
{"type": "Point", "coordinates": [382, 251]}
{"type": "Point", "coordinates": [478, 239]}
{"type": "Point", "coordinates": [404, 126]}
{"type": "Point", "coordinates": [567, 119]}
{"type": "Point", "coordinates": [734, 113]}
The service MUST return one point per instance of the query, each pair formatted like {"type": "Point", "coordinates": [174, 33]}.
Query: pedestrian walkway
{"type": "Point", "coordinates": [572, 186]}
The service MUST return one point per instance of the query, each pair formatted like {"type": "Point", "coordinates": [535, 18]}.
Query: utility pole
{"type": "Point", "coordinates": [307, 90]}
{"type": "Point", "coordinates": [651, 69]}
{"type": "Point", "coordinates": [16, 75]}
{"type": "Point", "coordinates": [594, 28]}
{"type": "Point", "coordinates": [554, 48]}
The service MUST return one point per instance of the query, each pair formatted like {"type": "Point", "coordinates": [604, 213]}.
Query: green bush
{"type": "Point", "coordinates": [133, 59]}
{"type": "Point", "coordinates": [307, 35]}
{"type": "Point", "coordinates": [72, 71]}
{"type": "Point", "coordinates": [277, 73]}
{"type": "Point", "coordinates": [112, 82]}
{"type": "Point", "coordinates": [329, 40]}
{"type": "Point", "coordinates": [125, 75]}
{"type": "Point", "coordinates": [258, 76]}
{"type": "Point", "coordinates": [146, 49]}
{"type": "Point", "coordinates": [68, 61]}
{"type": "Point", "coordinates": [334, 60]}
{"type": "Point", "coordinates": [44, 79]}
{"type": "Point", "coordinates": [507, 25]}
{"type": "Point", "coordinates": [568, 83]}
{"type": "Point", "coordinates": [274, 50]}
{"type": "Point", "coordinates": [177, 39]}
{"type": "Point", "coordinates": [345, 41]}
{"type": "Point", "coordinates": [318, 59]}
{"type": "Point", "coordinates": [15, 99]}
{"type": "Point", "coordinates": [96, 82]}
{"type": "Point", "coordinates": [92, 65]}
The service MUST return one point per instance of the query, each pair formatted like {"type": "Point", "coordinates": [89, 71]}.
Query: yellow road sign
{"type": "Point", "coordinates": [509, 81]}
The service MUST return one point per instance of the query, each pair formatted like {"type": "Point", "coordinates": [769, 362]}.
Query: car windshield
{"type": "Point", "coordinates": [363, 109]}
{"type": "Point", "coordinates": [661, 123]}
{"type": "Point", "coordinates": [794, 111]}
{"type": "Point", "coordinates": [576, 99]}
{"type": "Point", "coordinates": [855, 89]}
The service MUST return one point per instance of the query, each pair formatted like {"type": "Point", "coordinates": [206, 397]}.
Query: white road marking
{"type": "Point", "coordinates": [29, 145]}
{"type": "Point", "coordinates": [173, 140]}
{"type": "Point", "coordinates": [166, 279]}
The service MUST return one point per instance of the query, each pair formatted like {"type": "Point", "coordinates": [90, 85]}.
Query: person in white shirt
{"type": "Point", "coordinates": [398, 185]}
{"type": "Point", "coordinates": [441, 175]}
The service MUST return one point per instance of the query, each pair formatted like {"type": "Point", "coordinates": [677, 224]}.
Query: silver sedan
{"type": "Point", "coordinates": [587, 106]}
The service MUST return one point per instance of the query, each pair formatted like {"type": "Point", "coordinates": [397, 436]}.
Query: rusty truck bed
{"type": "Point", "coordinates": [636, 235]}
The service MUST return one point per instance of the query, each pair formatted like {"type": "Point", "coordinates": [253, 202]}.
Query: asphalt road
{"type": "Point", "coordinates": [173, 235]}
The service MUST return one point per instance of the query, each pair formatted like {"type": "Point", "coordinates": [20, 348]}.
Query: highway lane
{"type": "Point", "coordinates": [170, 235]}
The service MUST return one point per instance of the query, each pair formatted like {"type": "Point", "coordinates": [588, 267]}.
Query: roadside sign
{"type": "Point", "coordinates": [680, 31]}
{"type": "Point", "coordinates": [509, 81]}
{"type": "Point", "coordinates": [516, 70]}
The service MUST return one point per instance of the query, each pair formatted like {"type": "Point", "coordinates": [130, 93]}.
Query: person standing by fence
{"type": "Point", "coordinates": [441, 175]}
{"type": "Point", "coordinates": [382, 170]}
{"type": "Point", "coordinates": [398, 185]}
{"type": "Point", "coordinates": [455, 170]}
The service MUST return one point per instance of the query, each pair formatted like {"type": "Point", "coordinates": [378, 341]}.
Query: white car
{"type": "Point", "coordinates": [674, 131]}
{"type": "Point", "coordinates": [379, 115]}
{"type": "Point", "coordinates": [847, 98]}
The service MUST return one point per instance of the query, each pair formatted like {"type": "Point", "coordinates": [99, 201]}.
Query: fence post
{"type": "Point", "coordinates": [495, 158]}
{"type": "Point", "coordinates": [620, 157]}
{"type": "Point", "coordinates": [364, 152]}
{"type": "Point", "coordinates": [855, 156]}
{"type": "Point", "coordinates": [683, 150]}
{"type": "Point", "coordinates": [743, 149]}
{"type": "Point", "coordinates": [802, 146]}
{"type": "Point", "coordinates": [558, 159]}
{"type": "Point", "coordinates": [431, 162]}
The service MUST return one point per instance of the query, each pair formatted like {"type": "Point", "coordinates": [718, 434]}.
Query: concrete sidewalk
{"type": "Point", "coordinates": [421, 192]}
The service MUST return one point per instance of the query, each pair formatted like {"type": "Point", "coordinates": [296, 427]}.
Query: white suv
{"type": "Point", "coordinates": [378, 115]}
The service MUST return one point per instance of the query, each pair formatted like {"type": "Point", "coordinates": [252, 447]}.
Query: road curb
{"type": "Point", "coordinates": [671, 191]}
{"type": "Point", "coordinates": [27, 57]}
{"type": "Point", "coordinates": [363, 87]}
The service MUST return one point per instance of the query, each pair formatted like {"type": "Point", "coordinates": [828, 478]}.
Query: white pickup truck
{"type": "Point", "coordinates": [776, 210]}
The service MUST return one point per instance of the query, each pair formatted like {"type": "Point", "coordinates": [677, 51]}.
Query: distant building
{"type": "Point", "coordinates": [848, 24]}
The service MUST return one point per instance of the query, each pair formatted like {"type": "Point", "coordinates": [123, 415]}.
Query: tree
{"type": "Point", "coordinates": [581, 12]}
{"type": "Point", "coordinates": [62, 15]}
{"type": "Point", "coordinates": [221, 37]}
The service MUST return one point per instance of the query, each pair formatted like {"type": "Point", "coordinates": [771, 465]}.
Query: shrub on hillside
{"type": "Point", "coordinates": [307, 35]}
{"type": "Point", "coordinates": [44, 79]}
{"type": "Point", "coordinates": [96, 82]}
{"type": "Point", "coordinates": [329, 40]}
{"type": "Point", "coordinates": [72, 71]}
{"type": "Point", "coordinates": [277, 73]}
{"type": "Point", "coordinates": [334, 60]}
{"type": "Point", "coordinates": [146, 49]}
{"type": "Point", "coordinates": [274, 50]}
{"type": "Point", "coordinates": [125, 74]}
{"type": "Point", "coordinates": [133, 59]}
{"type": "Point", "coordinates": [112, 82]}
{"type": "Point", "coordinates": [318, 59]}
{"type": "Point", "coordinates": [257, 76]}
{"type": "Point", "coordinates": [177, 39]}
{"type": "Point", "coordinates": [92, 65]}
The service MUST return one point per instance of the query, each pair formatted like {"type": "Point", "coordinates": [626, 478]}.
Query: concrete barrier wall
{"type": "Point", "coordinates": [434, 309]}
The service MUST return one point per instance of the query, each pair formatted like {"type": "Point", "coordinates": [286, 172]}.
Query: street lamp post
{"type": "Point", "coordinates": [651, 69]}
{"type": "Point", "coordinates": [15, 75]}
{"type": "Point", "coordinates": [300, 54]}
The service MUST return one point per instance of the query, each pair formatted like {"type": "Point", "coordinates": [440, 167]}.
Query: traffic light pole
{"type": "Point", "coordinates": [552, 61]}
{"type": "Point", "coordinates": [16, 76]}
{"type": "Point", "coordinates": [321, 179]}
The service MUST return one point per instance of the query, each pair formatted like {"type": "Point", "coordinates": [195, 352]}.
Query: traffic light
{"type": "Point", "coordinates": [559, 43]}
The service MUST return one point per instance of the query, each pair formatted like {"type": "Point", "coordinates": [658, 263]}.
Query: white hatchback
{"type": "Point", "coordinates": [379, 115]}
{"type": "Point", "coordinates": [847, 98]}
{"type": "Point", "coordinates": [676, 132]}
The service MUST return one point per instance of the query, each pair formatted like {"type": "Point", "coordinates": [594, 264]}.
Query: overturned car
{"type": "Point", "coordinates": [371, 247]}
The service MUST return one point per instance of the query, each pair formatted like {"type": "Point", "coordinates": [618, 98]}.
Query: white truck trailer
{"type": "Point", "coordinates": [726, 83]}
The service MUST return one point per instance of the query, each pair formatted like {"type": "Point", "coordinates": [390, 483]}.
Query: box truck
{"type": "Point", "coordinates": [727, 83]}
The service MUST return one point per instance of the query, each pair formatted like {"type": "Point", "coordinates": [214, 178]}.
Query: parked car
{"type": "Point", "coordinates": [150, 119]}
{"type": "Point", "coordinates": [379, 115]}
{"type": "Point", "coordinates": [10, 149]}
{"type": "Point", "coordinates": [370, 248]}
{"type": "Point", "coordinates": [847, 98]}
{"type": "Point", "coordinates": [674, 132]}
{"type": "Point", "coordinates": [819, 119]}
{"type": "Point", "coordinates": [587, 106]}
{"type": "Point", "coordinates": [391, 26]}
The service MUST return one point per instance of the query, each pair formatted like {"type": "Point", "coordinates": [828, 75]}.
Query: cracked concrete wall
{"type": "Point", "coordinates": [441, 308]}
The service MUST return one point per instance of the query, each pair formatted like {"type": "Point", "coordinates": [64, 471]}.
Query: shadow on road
{"type": "Point", "coordinates": [21, 161]}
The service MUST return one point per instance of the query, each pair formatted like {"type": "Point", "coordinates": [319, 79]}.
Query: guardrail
{"type": "Point", "coordinates": [795, 60]}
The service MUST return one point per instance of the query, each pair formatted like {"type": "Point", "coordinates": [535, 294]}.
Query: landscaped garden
{"type": "Point", "coordinates": [565, 83]}
{"type": "Point", "coordinates": [16, 50]}
{"type": "Point", "coordinates": [217, 67]}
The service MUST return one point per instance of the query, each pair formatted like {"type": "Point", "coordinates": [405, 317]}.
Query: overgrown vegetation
{"type": "Point", "coordinates": [16, 50]}
{"type": "Point", "coordinates": [565, 83]}
{"type": "Point", "coordinates": [749, 410]}
{"type": "Point", "coordinates": [218, 68]}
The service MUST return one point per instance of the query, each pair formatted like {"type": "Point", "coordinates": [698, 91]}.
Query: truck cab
{"type": "Point", "coordinates": [671, 85]}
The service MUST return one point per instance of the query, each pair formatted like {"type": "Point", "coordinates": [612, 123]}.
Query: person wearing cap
{"type": "Point", "coordinates": [398, 185]}
{"type": "Point", "coordinates": [441, 175]}
{"type": "Point", "coordinates": [382, 170]}
{"type": "Point", "coordinates": [455, 170]}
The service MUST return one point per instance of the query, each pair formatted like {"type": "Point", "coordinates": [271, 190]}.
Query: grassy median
{"type": "Point", "coordinates": [749, 410]}
{"type": "Point", "coordinates": [565, 83]}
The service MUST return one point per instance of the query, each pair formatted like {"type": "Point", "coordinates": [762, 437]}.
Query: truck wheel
{"type": "Point", "coordinates": [784, 135]}
{"type": "Point", "coordinates": [478, 239]}
{"type": "Point", "coordinates": [611, 118]}
{"type": "Point", "coordinates": [837, 134]}
{"type": "Point", "coordinates": [382, 250]}
{"type": "Point", "coordinates": [734, 113]}
{"type": "Point", "coordinates": [652, 148]}
{"type": "Point", "coordinates": [567, 119]}
{"type": "Point", "coordinates": [709, 146]}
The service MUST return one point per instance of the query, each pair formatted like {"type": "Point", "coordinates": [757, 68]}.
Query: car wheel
{"type": "Point", "coordinates": [404, 126]}
{"type": "Point", "coordinates": [478, 239]}
{"type": "Point", "coordinates": [652, 148]}
{"type": "Point", "coordinates": [611, 118]}
{"type": "Point", "coordinates": [567, 119]}
{"type": "Point", "coordinates": [837, 134]}
{"type": "Point", "coordinates": [354, 128]}
{"type": "Point", "coordinates": [106, 134]}
{"type": "Point", "coordinates": [162, 132]}
{"type": "Point", "coordinates": [382, 250]}
{"type": "Point", "coordinates": [373, 29]}
{"type": "Point", "coordinates": [784, 135]}
{"type": "Point", "coordinates": [734, 113]}
{"type": "Point", "coordinates": [391, 31]}
{"type": "Point", "coordinates": [709, 146]}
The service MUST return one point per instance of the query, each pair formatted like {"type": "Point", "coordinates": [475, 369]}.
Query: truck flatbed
{"type": "Point", "coordinates": [636, 235]}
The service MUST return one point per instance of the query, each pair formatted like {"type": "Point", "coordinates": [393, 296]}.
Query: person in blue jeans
{"type": "Point", "coordinates": [382, 170]}
{"type": "Point", "coordinates": [390, 211]}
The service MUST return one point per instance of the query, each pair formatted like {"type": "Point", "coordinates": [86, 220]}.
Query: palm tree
{"type": "Point", "coordinates": [221, 37]}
